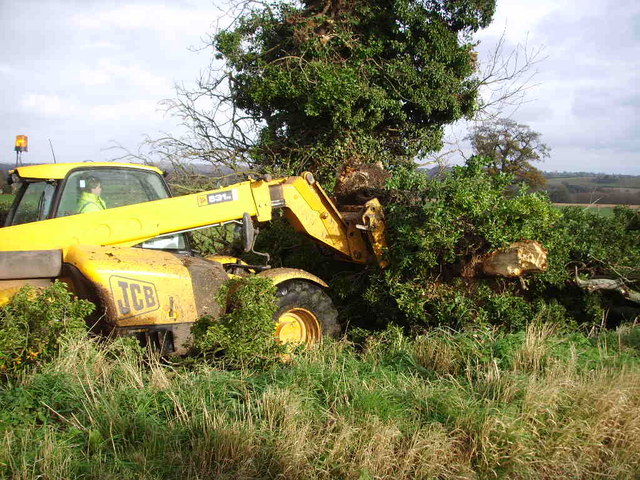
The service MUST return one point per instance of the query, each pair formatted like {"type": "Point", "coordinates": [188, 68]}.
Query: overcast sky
{"type": "Point", "coordinates": [88, 74]}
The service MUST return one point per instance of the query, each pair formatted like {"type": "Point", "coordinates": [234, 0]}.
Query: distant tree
{"type": "Point", "coordinates": [512, 147]}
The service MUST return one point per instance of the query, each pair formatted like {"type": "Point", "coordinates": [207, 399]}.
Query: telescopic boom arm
{"type": "Point", "coordinates": [356, 234]}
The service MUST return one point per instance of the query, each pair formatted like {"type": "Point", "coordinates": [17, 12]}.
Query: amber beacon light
{"type": "Point", "coordinates": [22, 145]}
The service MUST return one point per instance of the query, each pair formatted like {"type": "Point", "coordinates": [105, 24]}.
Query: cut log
{"type": "Point", "coordinates": [516, 260]}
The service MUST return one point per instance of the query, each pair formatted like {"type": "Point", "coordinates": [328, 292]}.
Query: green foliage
{"type": "Point", "coordinates": [352, 80]}
{"type": "Point", "coordinates": [437, 221]}
{"type": "Point", "coordinates": [219, 240]}
{"type": "Point", "coordinates": [35, 322]}
{"type": "Point", "coordinates": [245, 335]}
{"type": "Point", "coordinates": [596, 245]}
{"type": "Point", "coordinates": [439, 228]}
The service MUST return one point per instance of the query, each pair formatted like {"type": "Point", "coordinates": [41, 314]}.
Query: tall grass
{"type": "Point", "coordinates": [535, 404]}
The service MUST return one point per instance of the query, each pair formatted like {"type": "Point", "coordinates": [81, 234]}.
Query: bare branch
{"type": "Point", "coordinates": [505, 77]}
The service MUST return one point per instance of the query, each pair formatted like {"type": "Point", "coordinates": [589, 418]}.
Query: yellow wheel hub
{"type": "Point", "coordinates": [297, 326]}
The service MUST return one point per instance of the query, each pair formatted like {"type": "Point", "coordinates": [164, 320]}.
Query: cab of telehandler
{"type": "Point", "coordinates": [60, 190]}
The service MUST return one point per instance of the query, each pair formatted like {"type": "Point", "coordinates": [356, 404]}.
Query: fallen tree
{"type": "Point", "coordinates": [357, 183]}
{"type": "Point", "coordinates": [467, 248]}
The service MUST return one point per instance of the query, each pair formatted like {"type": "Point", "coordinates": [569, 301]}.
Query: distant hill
{"type": "Point", "coordinates": [7, 166]}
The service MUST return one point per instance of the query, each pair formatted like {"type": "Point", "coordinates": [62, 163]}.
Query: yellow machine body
{"type": "Point", "coordinates": [137, 286]}
{"type": "Point", "coordinates": [137, 289]}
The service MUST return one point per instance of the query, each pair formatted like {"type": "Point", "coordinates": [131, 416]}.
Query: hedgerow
{"type": "Point", "coordinates": [35, 323]}
{"type": "Point", "coordinates": [438, 227]}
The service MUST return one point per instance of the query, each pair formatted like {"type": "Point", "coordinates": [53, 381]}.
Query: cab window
{"type": "Point", "coordinates": [35, 202]}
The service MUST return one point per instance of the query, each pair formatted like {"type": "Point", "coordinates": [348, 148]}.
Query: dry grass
{"type": "Point", "coordinates": [447, 406]}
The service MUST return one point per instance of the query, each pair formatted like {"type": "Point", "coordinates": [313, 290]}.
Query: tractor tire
{"type": "Point", "coordinates": [305, 315]}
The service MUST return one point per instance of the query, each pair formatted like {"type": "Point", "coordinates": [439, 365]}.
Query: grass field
{"type": "Point", "coordinates": [613, 182]}
{"type": "Point", "coordinates": [476, 405]}
{"type": "Point", "coordinates": [596, 209]}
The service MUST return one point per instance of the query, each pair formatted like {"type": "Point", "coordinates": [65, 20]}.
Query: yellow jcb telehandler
{"type": "Point", "coordinates": [113, 233]}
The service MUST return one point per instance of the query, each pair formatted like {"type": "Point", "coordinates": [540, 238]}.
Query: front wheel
{"type": "Point", "coordinates": [305, 315]}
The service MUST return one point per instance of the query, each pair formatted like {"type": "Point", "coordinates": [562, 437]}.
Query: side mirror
{"type": "Point", "coordinates": [248, 232]}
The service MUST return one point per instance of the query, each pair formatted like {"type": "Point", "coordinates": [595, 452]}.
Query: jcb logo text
{"type": "Point", "coordinates": [133, 297]}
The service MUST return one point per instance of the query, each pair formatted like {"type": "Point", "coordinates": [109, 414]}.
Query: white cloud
{"type": "Point", "coordinates": [108, 72]}
{"type": "Point", "coordinates": [49, 105]}
{"type": "Point", "coordinates": [125, 111]}
{"type": "Point", "coordinates": [94, 77]}
{"type": "Point", "coordinates": [517, 18]}
{"type": "Point", "coordinates": [100, 45]}
{"type": "Point", "coordinates": [122, 112]}
{"type": "Point", "coordinates": [147, 16]}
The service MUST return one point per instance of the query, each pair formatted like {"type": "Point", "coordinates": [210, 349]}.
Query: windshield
{"type": "Point", "coordinates": [92, 190]}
